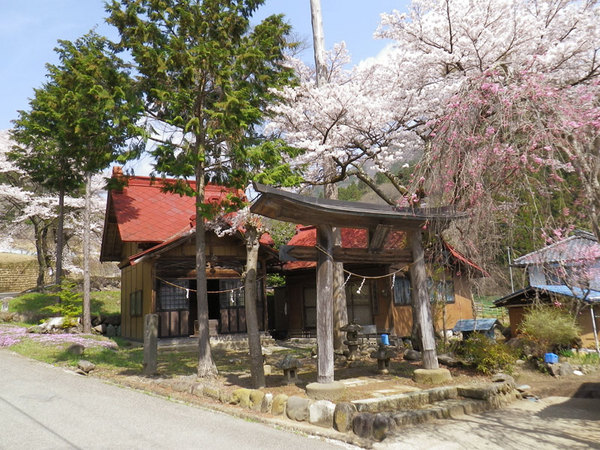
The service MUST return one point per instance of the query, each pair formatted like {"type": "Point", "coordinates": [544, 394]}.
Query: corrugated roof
{"type": "Point", "coordinates": [475, 324]}
{"type": "Point", "coordinates": [145, 213]}
{"type": "Point", "coordinates": [351, 238]}
{"type": "Point", "coordinates": [589, 295]}
{"type": "Point", "coordinates": [527, 295]}
{"type": "Point", "coordinates": [571, 249]}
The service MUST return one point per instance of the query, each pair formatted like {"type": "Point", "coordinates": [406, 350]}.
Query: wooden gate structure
{"type": "Point", "coordinates": [379, 220]}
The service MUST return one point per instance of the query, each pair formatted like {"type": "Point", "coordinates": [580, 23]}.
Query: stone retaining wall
{"type": "Point", "coordinates": [372, 419]}
{"type": "Point", "coordinates": [18, 276]}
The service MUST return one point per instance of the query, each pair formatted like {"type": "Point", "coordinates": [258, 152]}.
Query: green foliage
{"type": "Point", "coordinates": [585, 358]}
{"type": "Point", "coordinates": [353, 192]}
{"type": "Point", "coordinates": [487, 355]}
{"type": "Point", "coordinates": [38, 303]}
{"type": "Point", "coordinates": [32, 302]}
{"type": "Point", "coordinates": [280, 232]}
{"type": "Point", "coordinates": [106, 302]}
{"type": "Point", "coordinates": [70, 303]}
{"type": "Point", "coordinates": [81, 119]}
{"type": "Point", "coordinates": [275, 280]}
{"type": "Point", "coordinates": [206, 72]}
{"type": "Point", "coordinates": [550, 328]}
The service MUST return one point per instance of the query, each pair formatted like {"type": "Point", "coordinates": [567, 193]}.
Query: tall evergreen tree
{"type": "Point", "coordinates": [207, 78]}
{"type": "Point", "coordinates": [80, 121]}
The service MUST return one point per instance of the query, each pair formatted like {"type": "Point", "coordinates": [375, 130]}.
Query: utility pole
{"type": "Point", "coordinates": [318, 41]}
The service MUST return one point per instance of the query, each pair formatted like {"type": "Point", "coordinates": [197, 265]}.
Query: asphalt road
{"type": "Point", "coordinates": [45, 407]}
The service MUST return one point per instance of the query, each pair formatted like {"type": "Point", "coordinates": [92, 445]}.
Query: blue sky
{"type": "Point", "coordinates": [29, 30]}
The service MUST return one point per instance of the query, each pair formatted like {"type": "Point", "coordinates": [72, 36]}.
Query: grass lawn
{"type": "Point", "coordinates": [102, 303]}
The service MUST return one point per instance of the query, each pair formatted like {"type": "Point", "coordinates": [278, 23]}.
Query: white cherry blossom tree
{"type": "Point", "coordinates": [378, 113]}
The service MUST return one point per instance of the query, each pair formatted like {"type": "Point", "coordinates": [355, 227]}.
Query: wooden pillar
{"type": "Point", "coordinates": [325, 304]}
{"type": "Point", "coordinates": [420, 300]}
{"type": "Point", "coordinates": [150, 363]}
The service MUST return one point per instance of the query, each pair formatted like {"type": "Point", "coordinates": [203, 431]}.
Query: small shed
{"type": "Point", "coordinates": [487, 327]}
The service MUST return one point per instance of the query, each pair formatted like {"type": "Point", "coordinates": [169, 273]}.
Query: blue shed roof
{"type": "Point", "coordinates": [592, 296]}
{"type": "Point", "coordinates": [475, 325]}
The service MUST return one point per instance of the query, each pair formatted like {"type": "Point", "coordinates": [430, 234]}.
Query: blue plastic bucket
{"type": "Point", "coordinates": [385, 339]}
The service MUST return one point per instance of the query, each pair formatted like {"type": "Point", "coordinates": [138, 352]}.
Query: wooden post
{"type": "Point", "coordinates": [325, 304]}
{"type": "Point", "coordinates": [150, 344]}
{"type": "Point", "coordinates": [420, 300]}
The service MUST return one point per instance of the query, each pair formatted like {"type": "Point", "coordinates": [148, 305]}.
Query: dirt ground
{"type": "Point", "coordinates": [361, 377]}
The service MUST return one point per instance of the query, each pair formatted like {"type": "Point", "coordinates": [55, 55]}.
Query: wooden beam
{"type": "Point", "coordinates": [325, 368]}
{"type": "Point", "coordinates": [345, 255]}
{"type": "Point", "coordinates": [377, 238]}
{"type": "Point", "coordinates": [420, 300]}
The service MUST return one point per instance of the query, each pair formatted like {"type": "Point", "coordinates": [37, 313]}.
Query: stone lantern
{"type": "Point", "coordinates": [352, 329]}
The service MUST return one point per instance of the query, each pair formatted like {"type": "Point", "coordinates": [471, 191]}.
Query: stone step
{"type": "Point", "coordinates": [379, 417]}
{"type": "Point", "coordinates": [380, 425]}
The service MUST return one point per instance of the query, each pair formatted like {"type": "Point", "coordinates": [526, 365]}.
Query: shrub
{"type": "Point", "coordinates": [70, 304]}
{"type": "Point", "coordinates": [550, 327]}
{"type": "Point", "coordinates": [487, 355]}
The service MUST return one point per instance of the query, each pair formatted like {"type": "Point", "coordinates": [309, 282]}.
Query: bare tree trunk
{"type": "Point", "coordinates": [206, 365]}
{"type": "Point", "coordinates": [257, 371]}
{"type": "Point", "coordinates": [420, 299]}
{"type": "Point", "coordinates": [41, 246]}
{"type": "Point", "coordinates": [60, 238]}
{"type": "Point", "coordinates": [87, 318]}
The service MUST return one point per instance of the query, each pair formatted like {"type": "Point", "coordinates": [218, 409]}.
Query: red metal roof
{"type": "Point", "coordinates": [145, 213]}
{"type": "Point", "coordinates": [357, 238]}
{"type": "Point", "coordinates": [351, 238]}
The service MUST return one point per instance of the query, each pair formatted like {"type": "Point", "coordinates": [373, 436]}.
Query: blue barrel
{"type": "Point", "coordinates": [385, 339]}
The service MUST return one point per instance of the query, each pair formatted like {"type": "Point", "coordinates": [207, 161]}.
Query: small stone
{"type": "Point", "coordinates": [279, 404]}
{"type": "Point", "coordinates": [578, 373]}
{"type": "Point", "coordinates": [362, 424]}
{"type": "Point", "coordinates": [502, 377]}
{"type": "Point", "coordinates": [412, 355]}
{"type": "Point", "coordinates": [320, 413]}
{"type": "Point", "coordinates": [198, 389]}
{"type": "Point", "coordinates": [267, 403]}
{"type": "Point", "coordinates": [382, 425]}
{"type": "Point", "coordinates": [448, 360]}
{"type": "Point", "coordinates": [565, 369]}
{"type": "Point", "coordinates": [268, 369]}
{"type": "Point", "coordinates": [76, 349]}
{"type": "Point", "coordinates": [212, 392]}
{"type": "Point", "coordinates": [241, 397]}
{"type": "Point", "coordinates": [431, 376]}
{"type": "Point", "coordinates": [297, 408]}
{"type": "Point", "coordinates": [523, 388]}
{"type": "Point", "coordinates": [256, 399]}
{"type": "Point", "coordinates": [553, 369]}
{"type": "Point", "coordinates": [85, 366]}
{"type": "Point", "coordinates": [343, 415]}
